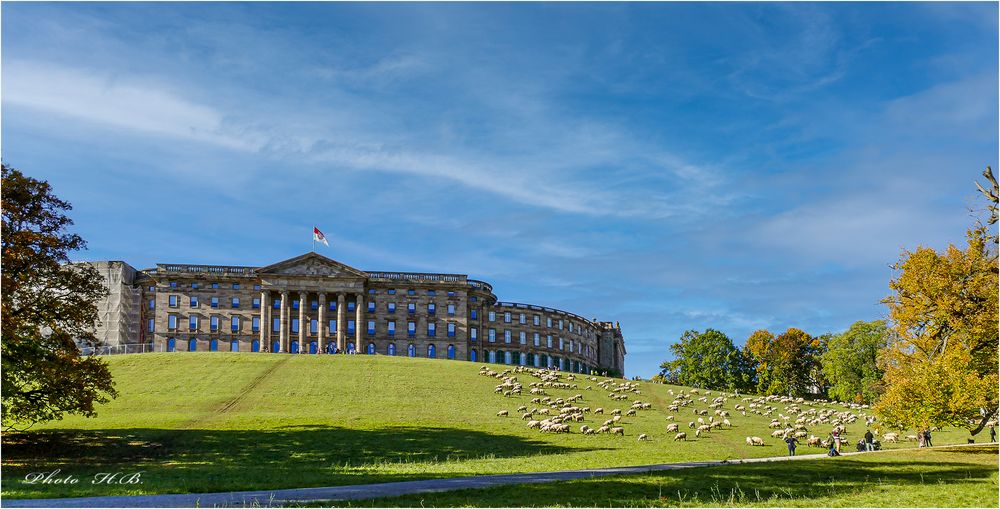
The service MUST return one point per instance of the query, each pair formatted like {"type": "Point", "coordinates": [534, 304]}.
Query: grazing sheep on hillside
{"type": "Point", "coordinates": [618, 431]}
{"type": "Point", "coordinates": [522, 408]}
{"type": "Point", "coordinates": [643, 437]}
{"type": "Point", "coordinates": [725, 422]}
{"type": "Point", "coordinates": [604, 429]}
{"type": "Point", "coordinates": [680, 436]}
{"type": "Point", "coordinates": [778, 433]}
{"type": "Point", "coordinates": [616, 412]}
{"type": "Point", "coordinates": [630, 413]}
{"type": "Point", "coordinates": [502, 413]}
{"type": "Point", "coordinates": [670, 417]}
{"type": "Point", "coordinates": [691, 425]}
{"type": "Point", "coordinates": [701, 421]}
{"type": "Point", "coordinates": [598, 410]}
{"type": "Point", "coordinates": [912, 438]}
{"type": "Point", "coordinates": [673, 428]}
{"type": "Point", "coordinates": [534, 424]}
{"type": "Point", "coordinates": [616, 418]}
{"type": "Point", "coordinates": [891, 437]}
{"type": "Point", "coordinates": [757, 441]}
{"type": "Point", "coordinates": [527, 415]}
{"type": "Point", "coordinates": [814, 441]}
{"type": "Point", "coordinates": [697, 433]}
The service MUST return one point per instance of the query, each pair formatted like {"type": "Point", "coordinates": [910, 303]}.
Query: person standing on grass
{"type": "Point", "coordinates": [927, 438]}
{"type": "Point", "coordinates": [993, 433]}
{"type": "Point", "coordinates": [868, 440]}
{"type": "Point", "coordinates": [835, 436]}
{"type": "Point", "coordinates": [792, 442]}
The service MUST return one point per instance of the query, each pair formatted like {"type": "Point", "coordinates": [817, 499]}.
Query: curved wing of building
{"type": "Point", "coordinates": [312, 304]}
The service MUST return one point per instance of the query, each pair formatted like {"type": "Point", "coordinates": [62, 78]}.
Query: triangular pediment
{"type": "Point", "coordinates": [311, 264]}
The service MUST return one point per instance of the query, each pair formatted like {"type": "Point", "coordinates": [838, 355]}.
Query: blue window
{"type": "Point", "coordinates": [255, 324]}
{"type": "Point", "coordinates": [371, 327]}
{"type": "Point", "coordinates": [473, 299]}
{"type": "Point", "coordinates": [151, 325]}
{"type": "Point", "coordinates": [173, 284]}
{"type": "Point", "coordinates": [451, 294]}
{"type": "Point", "coordinates": [536, 320]}
{"type": "Point", "coordinates": [215, 285]}
{"type": "Point", "coordinates": [236, 302]}
{"type": "Point", "coordinates": [431, 293]}
{"type": "Point", "coordinates": [537, 340]}
{"type": "Point", "coordinates": [431, 351]}
{"type": "Point", "coordinates": [474, 314]}
{"type": "Point", "coordinates": [451, 351]}
{"type": "Point", "coordinates": [276, 304]}
{"type": "Point", "coordinates": [171, 344]}
{"type": "Point", "coordinates": [390, 307]}
{"type": "Point", "coordinates": [333, 305]}
{"type": "Point", "coordinates": [256, 303]}
{"type": "Point", "coordinates": [194, 301]}
{"type": "Point", "coordinates": [295, 303]}
{"type": "Point", "coordinates": [295, 325]}
{"type": "Point", "coordinates": [506, 336]}
{"type": "Point", "coordinates": [351, 305]}
{"type": "Point", "coordinates": [371, 306]}
{"type": "Point", "coordinates": [391, 349]}
{"type": "Point", "coordinates": [507, 357]}
{"type": "Point", "coordinates": [214, 323]}
{"type": "Point", "coordinates": [491, 316]}
{"type": "Point", "coordinates": [192, 345]}
{"type": "Point", "coordinates": [520, 319]}
{"type": "Point", "coordinates": [431, 308]}
{"type": "Point", "coordinates": [390, 328]}
{"type": "Point", "coordinates": [473, 334]}
{"type": "Point", "coordinates": [172, 322]}
{"type": "Point", "coordinates": [193, 323]}
{"type": "Point", "coordinates": [371, 291]}
{"type": "Point", "coordinates": [275, 324]}
{"type": "Point", "coordinates": [152, 303]}
{"type": "Point", "coordinates": [234, 345]}
{"type": "Point", "coordinates": [411, 350]}
{"type": "Point", "coordinates": [451, 310]}
{"type": "Point", "coordinates": [411, 329]}
{"type": "Point", "coordinates": [371, 348]}
{"type": "Point", "coordinates": [506, 316]}
{"type": "Point", "coordinates": [350, 326]}
{"type": "Point", "coordinates": [214, 302]}
{"type": "Point", "coordinates": [522, 337]}
{"type": "Point", "coordinates": [194, 286]}
{"type": "Point", "coordinates": [491, 335]}
{"type": "Point", "coordinates": [411, 292]}
{"type": "Point", "coordinates": [431, 329]}
{"type": "Point", "coordinates": [256, 287]}
{"type": "Point", "coordinates": [472, 355]}
{"type": "Point", "coordinates": [411, 308]}
{"type": "Point", "coordinates": [392, 291]}
{"type": "Point", "coordinates": [236, 286]}
{"type": "Point", "coordinates": [332, 327]}
{"type": "Point", "coordinates": [314, 305]}
{"type": "Point", "coordinates": [451, 329]}
{"type": "Point", "coordinates": [235, 324]}
{"type": "Point", "coordinates": [313, 326]}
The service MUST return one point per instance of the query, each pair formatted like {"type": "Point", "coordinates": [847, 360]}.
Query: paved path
{"type": "Point", "coordinates": [270, 498]}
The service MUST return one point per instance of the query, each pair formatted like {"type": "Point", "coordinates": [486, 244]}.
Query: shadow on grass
{"type": "Point", "coordinates": [176, 461]}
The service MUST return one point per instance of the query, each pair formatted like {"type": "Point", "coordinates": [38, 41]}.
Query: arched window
{"type": "Point", "coordinates": [192, 345]}
{"type": "Point", "coordinates": [522, 359]}
{"type": "Point", "coordinates": [295, 346]}
{"type": "Point", "coordinates": [350, 348]}
{"type": "Point", "coordinates": [472, 355]}
{"type": "Point", "coordinates": [451, 351]}
{"type": "Point", "coordinates": [431, 351]}
{"type": "Point", "coordinates": [411, 350]}
{"type": "Point", "coordinates": [275, 346]}
{"type": "Point", "coordinates": [234, 345]}
{"type": "Point", "coordinates": [499, 357]}
{"type": "Point", "coordinates": [371, 348]}
{"type": "Point", "coordinates": [491, 356]}
{"type": "Point", "coordinates": [255, 345]}
{"type": "Point", "coordinates": [506, 357]}
{"type": "Point", "coordinates": [391, 349]}
{"type": "Point", "coordinates": [313, 347]}
{"type": "Point", "coordinates": [213, 345]}
{"type": "Point", "coordinates": [171, 344]}
{"type": "Point", "coordinates": [538, 361]}
{"type": "Point", "coordinates": [331, 348]}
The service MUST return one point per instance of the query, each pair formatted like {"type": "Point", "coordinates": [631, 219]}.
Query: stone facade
{"type": "Point", "coordinates": [312, 304]}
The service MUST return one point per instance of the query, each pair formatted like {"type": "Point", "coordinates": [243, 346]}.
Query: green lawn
{"type": "Point", "coordinates": [202, 422]}
{"type": "Point", "coordinates": [959, 477]}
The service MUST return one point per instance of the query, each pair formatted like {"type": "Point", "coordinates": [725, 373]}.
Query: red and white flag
{"type": "Point", "coordinates": [319, 237]}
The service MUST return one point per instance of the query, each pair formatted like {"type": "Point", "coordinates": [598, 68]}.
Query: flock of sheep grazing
{"type": "Point", "coordinates": [790, 417]}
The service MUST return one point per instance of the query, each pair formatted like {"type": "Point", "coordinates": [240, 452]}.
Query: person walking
{"type": "Point", "coordinates": [836, 440]}
{"type": "Point", "coordinates": [927, 438]}
{"type": "Point", "coordinates": [993, 433]}
{"type": "Point", "coordinates": [792, 442]}
{"type": "Point", "coordinates": [868, 441]}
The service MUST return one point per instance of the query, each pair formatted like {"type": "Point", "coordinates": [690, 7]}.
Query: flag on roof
{"type": "Point", "coordinates": [319, 237]}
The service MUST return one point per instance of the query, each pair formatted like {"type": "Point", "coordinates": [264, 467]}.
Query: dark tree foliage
{"type": "Point", "coordinates": [708, 360]}
{"type": "Point", "coordinates": [48, 305]}
{"type": "Point", "coordinates": [788, 364]}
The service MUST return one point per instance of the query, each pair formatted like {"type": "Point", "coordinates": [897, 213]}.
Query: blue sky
{"type": "Point", "coordinates": [669, 166]}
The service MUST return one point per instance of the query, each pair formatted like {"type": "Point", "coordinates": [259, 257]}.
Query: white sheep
{"type": "Point", "coordinates": [673, 428]}
{"type": "Point", "coordinates": [502, 413]}
{"type": "Point", "coordinates": [618, 431]}
{"type": "Point", "coordinates": [680, 436]}
{"type": "Point", "coordinates": [643, 437]}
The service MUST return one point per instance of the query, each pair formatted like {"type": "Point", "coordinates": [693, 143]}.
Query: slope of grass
{"type": "Point", "coordinates": [201, 422]}
{"type": "Point", "coordinates": [959, 477]}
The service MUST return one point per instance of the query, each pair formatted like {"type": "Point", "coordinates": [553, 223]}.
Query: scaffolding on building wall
{"type": "Point", "coordinates": [119, 312]}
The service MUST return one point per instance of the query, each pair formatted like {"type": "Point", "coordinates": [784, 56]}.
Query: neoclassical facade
{"type": "Point", "coordinates": [312, 304]}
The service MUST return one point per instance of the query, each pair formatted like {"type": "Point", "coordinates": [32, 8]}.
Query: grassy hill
{"type": "Point", "coordinates": [200, 422]}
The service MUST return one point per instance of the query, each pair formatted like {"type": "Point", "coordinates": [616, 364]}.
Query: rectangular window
{"type": "Point", "coordinates": [560, 324]}
{"type": "Point", "coordinates": [313, 326]}
{"type": "Point", "coordinates": [411, 292]}
{"type": "Point", "coordinates": [172, 322]}
{"type": "Point", "coordinates": [214, 302]}
{"type": "Point", "coordinates": [371, 306]}
{"type": "Point", "coordinates": [451, 329]}
{"type": "Point", "coordinates": [390, 307]}
{"type": "Point", "coordinates": [236, 286]}
{"type": "Point", "coordinates": [276, 304]}
{"type": "Point", "coordinates": [431, 293]}
{"type": "Point", "coordinates": [350, 326]}
{"type": "Point", "coordinates": [194, 301]}
{"type": "Point", "coordinates": [491, 335]}
{"type": "Point", "coordinates": [473, 299]}
{"type": "Point", "coordinates": [411, 308]}
{"type": "Point", "coordinates": [332, 328]}
{"type": "Point", "coordinates": [431, 329]}
{"type": "Point", "coordinates": [152, 288]}
{"type": "Point", "coordinates": [431, 308]}
{"type": "Point", "coordinates": [215, 285]}
{"type": "Point", "coordinates": [333, 305]}
{"type": "Point", "coordinates": [151, 325]}
{"type": "Point", "coordinates": [451, 310]}
{"type": "Point", "coordinates": [275, 324]}
{"type": "Point", "coordinates": [411, 329]}
{"type": "Point", "coordinates": [194, 286]}
{"type": "Point", "coordinates": [391, 291]}
{"type": "Point", "coordinates": [473, 333]}
{"type": "Point", "coordinates": [491, 316]}
{"type": "Point", "coordinates": [152, 303]}
{"type": "Point", "coordinates": [521, 319]}
{"type": "Point", "coordinates": [295, 303]}
{"type": "Point", "coordinates": [451, 294]}
{"type": "Point", "coordinates": [390, 328]}
{"type": "Point", "coordinates": [548, 321]}
{"type": "Point", "coordinates": [236, 302]}
{"type": "Point", "coordinates": [536, 320]}
{"type": "Point", "coordinates": [213, 323]}
{"type": "Point", "coordinates": [548, 341]}
{"type": "Point", "coordinates": [314, 305]}
{"type": "Point", "coordinates": [173, 284]}
{"type": "Point", "coordinates": [255, 304]}
{"type": "Point", "coordinates": [255, 324]}
{"type": "Point", "coordinates": [351, 305]}
{"type": "Point", "coordinates": [506, 317]}
{"type": "Point", "coordinates": [371, 327]}
{"type": "Point", "coordinates": [256, 287]}
{"type": "Point", "coordinates": [474, 314]}
{"type": "Point", "coordinates": [193, 323]}
{"type": "Point", "coordinates": [506, 336]}
{"type": "Point", "coordinates": [561, 343]}
{"type": "Point", "coordinates": [371, 291]}
{"type": "Point", "coordinates": [295, 325]}
{"type": "Point", "coordinates": [235, 325]}
{"type": "Point", "coordinates": [522, 337]}
{"type": "Point", "coordinates": [537, 340]}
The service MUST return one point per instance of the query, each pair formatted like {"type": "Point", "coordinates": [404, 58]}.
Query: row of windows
{"type": "Point", "coordinates": [411, 292]}
{"type": "Point", "coordinates": [522, 338]}
{"type": "Point", "coordinates": [536, 320]}
{"type": "Point", "coordinates": [235, 323]}
{"type": "Point", "coordinates": [195, 286]}
{"type": "Point", "coordinates": [531, 359]}
{"type": "Point", "coordinates": [174, 301]}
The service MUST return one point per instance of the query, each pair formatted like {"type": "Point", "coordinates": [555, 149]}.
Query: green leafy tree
{"type": "Point", "coordinates": [850, 363]}
{"type": "Point", "coordinates": [48, 305]}
{"type": "Point", "coordinates": [707, 360]}
{"type": "Point", "coordinates": [785, 364]}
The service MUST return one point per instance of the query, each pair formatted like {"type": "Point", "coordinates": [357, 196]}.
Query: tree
{"type": "Point", "coordinates": [850, 363]}
{"type": "Point", "coordinates": [786, 364]}
{"type": "Point", "coordinates": [707, 360]}
{"type": "Point", "coordinates": [48, 305]}
{"type": "Point", "coordinates": [942, 367]}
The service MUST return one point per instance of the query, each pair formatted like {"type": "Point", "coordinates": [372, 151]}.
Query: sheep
{"type": "Point", "coordinates": [618, 431]}
{"type": "Point", "coordinates": [673, 428]}
{"type": "Point", "coordinates": [757, 441]}
{"type": "Point", "coordinates": [814, 441]}
{"type": "Point", "coordinates": [502, 413]}
{"type": "Point", "coordinates": [598, 410]}
{"type": "Point", "coordinates": [670, 417]}
{"type": "Point", "coordinates": [616, 418]}
{"type": "Point", "coordinates": [680, 436]}
{"type": "Point", "coordinates": [701, 421]}
{"type": "Point", "coordinates": [522, 408]}
{"type": "Point", "coordinates": [643, 437]}
{"type": "Point", "coordinates": [725, 422]}
{"type": "Point", "coordinates": [912, 438]}
{"type": "Point", "coordinates": [526, 416]}
{"type": "Point", "coordinates": [630, 413]}
{"type": "Point", "coordinates": [691, 425]}
{"type": "Point", "coordinates": [604, 429]}
{"type": "Point", "coordinates": [697, 433]}
{"type": "Point", "coordinates": [584, 428]}
{"type": "Point", "coordinates": [891, 437]}
{"type": "Point", "coordinates": [616, 412]}
{"type": "Point", "coordinates": [534, 424]}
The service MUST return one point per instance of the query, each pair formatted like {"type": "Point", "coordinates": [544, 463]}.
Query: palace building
{"type": "Point", "coordinates": [312, 304]}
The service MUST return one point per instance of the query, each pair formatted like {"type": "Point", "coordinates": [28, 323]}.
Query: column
{"type": "Point", "coordinates": [321, 329]}
{"type": "Point", "coordinates": [263, 320]}
{"type": "Point", "coordinates": [359, 308]}
{"type": "Point", "coordinates": [283, 326]}
{"type": "Point", "coordinates": [303, 347]}
{"type": "Point", "coordinates": [340, 322]}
